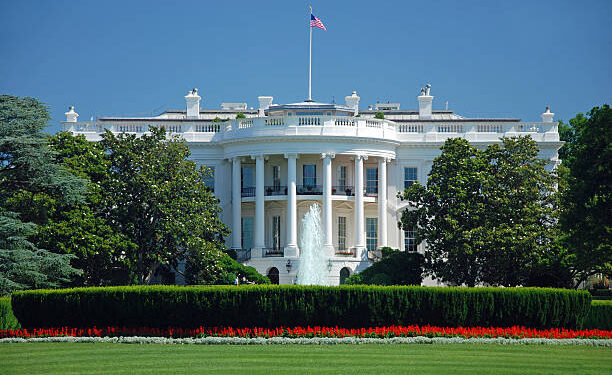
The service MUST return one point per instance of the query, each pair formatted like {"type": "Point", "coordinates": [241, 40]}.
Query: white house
{"type": "Point", "coordinates": [271, 166]}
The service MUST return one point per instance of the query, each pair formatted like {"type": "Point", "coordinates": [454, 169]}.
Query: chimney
{"type": "Point", "coordinates": [71, 115]}
{"type": "Point", "coordinates": [193, 104]}
{"type": "Point", "coordinates": [353, 102]}
{"type": "Point", "coordinates": [547, 116]}
{"type": "Point", "coordinates": [425, 101]}
{"type": "Point", "coordinates": [264, 103]}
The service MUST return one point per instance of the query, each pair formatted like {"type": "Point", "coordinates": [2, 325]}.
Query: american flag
{"type": "Point", "coordinates": [315, 22]}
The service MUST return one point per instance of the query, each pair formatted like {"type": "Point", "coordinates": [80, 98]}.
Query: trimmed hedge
{"type": "Point", "coordinates": [7, 319]}
{"type": "Point", "coordinates": [293, 305]}
{"type": "Point", "coordinates": [600, 316]}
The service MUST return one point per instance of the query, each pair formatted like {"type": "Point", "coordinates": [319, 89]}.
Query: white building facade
{"type": "Point", "coordinates": [271, 166]}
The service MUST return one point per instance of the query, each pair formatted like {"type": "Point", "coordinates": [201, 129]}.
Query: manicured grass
{"type": "Point", "coordinates": [63, 358]}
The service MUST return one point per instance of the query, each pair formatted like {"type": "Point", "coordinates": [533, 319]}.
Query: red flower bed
{"type": "Point", "coordinates": [379, 332]}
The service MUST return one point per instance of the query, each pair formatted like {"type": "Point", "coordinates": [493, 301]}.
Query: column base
{"type": "Point", "coordinates": [292, 251]}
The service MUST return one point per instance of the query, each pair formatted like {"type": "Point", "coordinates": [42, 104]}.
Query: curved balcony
{"type": "Point", "coordinates": [275, 190]}
{"type": "Point", "coordinates": [309, 189]}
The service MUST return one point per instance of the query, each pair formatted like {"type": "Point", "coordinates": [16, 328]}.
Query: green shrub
{"type": "Point", "coordinates": [600, 316]}
{"type": "Point", "coordinates": [7, 319]}
{"type": "Point", "coordinates": [395, 268]}
{"type": "Point", "coordinates": [295, 305]}
{"type": "Point", "coordinates": [379, 115]}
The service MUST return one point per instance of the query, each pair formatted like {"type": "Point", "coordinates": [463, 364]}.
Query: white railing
{"type": "Point", "coordinates": [309, 121]}
{"type": "Point", "coordinates": [274, 121]}
{"type": "Point", "coordinates": [489, 128]}
{"type": "Point", "coordinates": [414, 131]}
{"type": "Point", "coordinates": [344, 121]}
{"type": "Point", "coordinates": [214, 127]}
{"type": "Point", "coordinates": [410, 128]}
{"type": "Point", "coordinates": [450, 128]}
{"type": "Point", "coordinates": [373, 124]}
{"type": "Point", "coordinates": [245, 124]}
{"type": "Point", "coordinates": [130, 128]}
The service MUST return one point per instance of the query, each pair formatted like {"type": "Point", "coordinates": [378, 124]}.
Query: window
{"type": "Point", "coordinates": [276, 232]}
{"type": "Point", "coordinates": [341, 176]}
{"type": "Point", "coordinates": [341, 233]}
{"type": "Point", "coordinates": [276, 177]}
{"type": "Point", "coordinates": [371, 232]}
{"type": "Point", "coordinates": [209, 179]}
{"type": "Point", "coordinates": [344, 274]}
{"type": "Point", "coordinates": [273, 275]}
{"type": "Point", "coordinates": [410, 241]}
{"type": "Point", "coordinates": [247, 178]}
{"type": "Point", "coordinates": [371, 180]}
{"type": "Point", "coordinates": [247, 232]}
{"type": "Point", "coordinates": [410, 176]}
{"type": "Point", "coordinates": [310, 175]}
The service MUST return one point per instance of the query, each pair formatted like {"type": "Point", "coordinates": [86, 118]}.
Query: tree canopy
{"type": "Point", "coordinates": [29, 171]}
{"type": "Point", "coordinates": [586, 192]}
{"type": "Point", "coordinates": [487, 215]}
{"type": "Point", "coordinates": [395, 268]}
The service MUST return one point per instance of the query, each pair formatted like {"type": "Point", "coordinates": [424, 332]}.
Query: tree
{"type": "Point", "coordinates": [379, 115]}
{"type": "Point", "coordinates": [28, 171]}
{"type": "Point", "coordinates": [157, 198]}
{"type": "Point", "coordinates": [395, 268]}
{"type": "Point", "coordinates": [586, 192]}
{"type": "Point", "coordinates": [81, 229]}
{"type": "Point", "coordinates": [240, 115]}
{"type": "Point", "coordinates": [487, 215]}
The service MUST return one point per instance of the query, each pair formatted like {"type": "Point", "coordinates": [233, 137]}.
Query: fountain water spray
{"type": "Point", "coordinates": [313, 260]}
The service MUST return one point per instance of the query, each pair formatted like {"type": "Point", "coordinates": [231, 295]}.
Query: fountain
{"type": "Point", "coordinates": [313, 260]}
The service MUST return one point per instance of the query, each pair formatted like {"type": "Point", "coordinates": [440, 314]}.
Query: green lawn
{"type": "Point", "coordinates": [69, 358]}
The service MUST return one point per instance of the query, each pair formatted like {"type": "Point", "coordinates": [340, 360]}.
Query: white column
{"type": "Point", "coordinates": [291, 250]}
{"type": "Point", "coordinates": [327, 203]}
{"type": "Point", "coordinates": [236, 205]}
{"type": "Point", "coordinates": [359, 211]}
{"type": "Point", "coordinates": [259, 204]}
{"type": "Point", "coordinates": [382, 202]}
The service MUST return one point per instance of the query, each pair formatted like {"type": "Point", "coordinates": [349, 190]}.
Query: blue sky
{"type": "Point", "coordinates": [487, 58]}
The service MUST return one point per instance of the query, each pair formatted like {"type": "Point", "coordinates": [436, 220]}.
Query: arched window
{"type": "Point", "coordinates": [273, 275]}
{"type": "Point", "coordinates": [344, 274]}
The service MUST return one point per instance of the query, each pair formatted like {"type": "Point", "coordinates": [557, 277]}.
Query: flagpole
{"type": "Point", "coordinates": [310, 59]}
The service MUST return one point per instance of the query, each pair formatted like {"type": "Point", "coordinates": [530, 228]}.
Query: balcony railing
{"type": "Point", "coordinates": [242, 255]}
{"type": "Point", "coordinates": [248, 192]}
{"type": "Point", "coordinates": [347, 190]}
{"type": "Point", "coordinates": [371, 190]}
{"type": "Point", "coordinates": [309, 190]}
{"type": "Point", "coordinates": [271, 252]}
{"type": "Point", "coordinates": [275, 190]}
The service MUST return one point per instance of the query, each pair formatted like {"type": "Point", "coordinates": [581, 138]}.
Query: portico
{"type": "Point", "coordinates": [338, 188]}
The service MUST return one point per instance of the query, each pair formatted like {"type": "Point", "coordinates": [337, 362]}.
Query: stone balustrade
{"type": "Point", "coordinates": [340, 126]}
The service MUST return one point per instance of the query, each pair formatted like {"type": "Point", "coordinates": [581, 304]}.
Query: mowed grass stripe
{"type": "Point", "coordinates": [71, 358]}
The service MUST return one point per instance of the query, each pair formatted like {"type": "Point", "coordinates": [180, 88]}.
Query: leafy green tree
{"type": "Point", "coordinates": [379, 115]}
{"type": "Point", "coordinates": [586, 192]}
{"type": "Point", "coordinates": [157, 198]}
{"type": "Point", "coordinates": [29, 173]}
{"type": "Point", "coordinates": [82, 230]}
{"type": "Point", "coordinates": [240, 115]}
{"type": "Point", "coordinates": [395, 268]}
{"type": "Point", "coordinates": [488, 216]}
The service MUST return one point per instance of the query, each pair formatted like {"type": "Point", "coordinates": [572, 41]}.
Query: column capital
{"type": "Point", "coordinates": [385, 159]}
{"type": "Point", "coordinates": [236, 159]}
{"type": "Point", "coordinates": [330, 155]}
{"type": "Point", "coordinates": [259, 156]}
{"type": "Point", "coordinates": [291, 155]}
{"type": "Point", "coordinates": [360, 156]}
